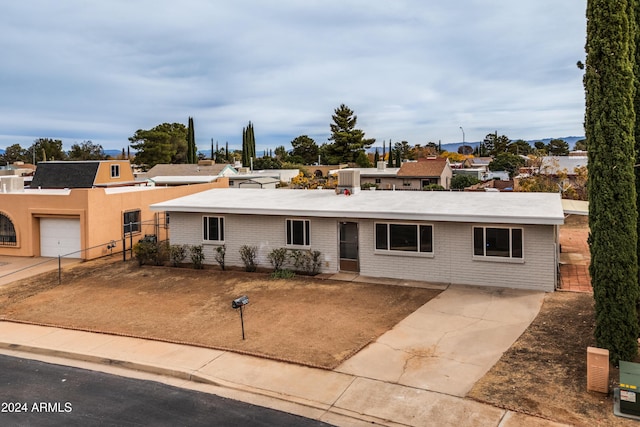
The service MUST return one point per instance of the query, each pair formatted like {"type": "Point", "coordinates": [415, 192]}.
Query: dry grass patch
{"type": "Point", "coordinates": [304, 320]}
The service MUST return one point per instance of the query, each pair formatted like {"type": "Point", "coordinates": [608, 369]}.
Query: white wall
{"type": "Point", "coordinates": [452, 261]}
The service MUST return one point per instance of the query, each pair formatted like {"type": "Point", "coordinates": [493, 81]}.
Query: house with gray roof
{"type": "Point", "coordinates": [490, 239]}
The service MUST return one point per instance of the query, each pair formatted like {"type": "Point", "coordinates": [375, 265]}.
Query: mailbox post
{"type": "Point", "coordinates": [239, 303]}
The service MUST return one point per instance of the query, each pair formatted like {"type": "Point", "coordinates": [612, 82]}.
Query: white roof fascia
{"type": "Point", "coordinates": [509, 208]}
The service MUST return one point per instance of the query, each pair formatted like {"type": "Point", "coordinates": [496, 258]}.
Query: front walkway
{"type": "Point", "coordinates": [575, 256]}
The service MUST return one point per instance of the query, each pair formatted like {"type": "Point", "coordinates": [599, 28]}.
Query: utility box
{"type": "Point", "coordinates": [598, 369]}
{"type": "Point", "coordinates": [629, 388]}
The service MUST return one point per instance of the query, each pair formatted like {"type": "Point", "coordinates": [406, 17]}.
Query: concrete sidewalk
{"type": "Point", "coordinates": [14, 268]}
{"type": "Point", "coordinates": [416, 374]}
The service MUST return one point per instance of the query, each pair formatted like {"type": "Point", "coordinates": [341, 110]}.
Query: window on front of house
{"type": "Point", "coordinates": [298, 231]}
{"type": "Point", "coordinates": [404, 237]}
{"type": "Point", "coordinates": [115, 171]}
{"type": "Point", "coordinates": [131, 222]}
{"type": "Point", "coordinates": [497, 242]}
{"type": "Point", "coordinates": [7, 232]}
{"type": "Point", "coordinates": [213, 228]}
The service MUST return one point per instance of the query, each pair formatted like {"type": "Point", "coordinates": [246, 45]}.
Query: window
{"type": "Point", "coordinates": [213, 228]}
{"type": "Point", "coordinates": [497, 242]}
{"type": "Point", "coordinates": [131, 222]}
{"type": "Point", "coordinates": [298, 232]}
{"type": "Point", "coordinates": [378, 180]}
{"type": "Point", "coordinates": [404, 237]}
{"type": "Point", "coordinates": [406, 183]}
{"type": "Point", "coordinates": [7, 232]}
{"type": "Point", "coordinates": [115, 171]}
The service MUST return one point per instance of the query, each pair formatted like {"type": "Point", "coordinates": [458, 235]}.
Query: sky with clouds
{"type": "Point", "coordinates": [413, 70]}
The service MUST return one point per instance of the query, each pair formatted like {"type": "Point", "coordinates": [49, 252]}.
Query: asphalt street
{"type": "Point", "coordinates": [34, 393]}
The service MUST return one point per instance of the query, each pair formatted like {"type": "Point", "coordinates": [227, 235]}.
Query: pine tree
{"type": "Point", "coordinates": [609, 127]}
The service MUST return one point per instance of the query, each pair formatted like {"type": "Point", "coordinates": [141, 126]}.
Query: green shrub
{"type": "Point", "coordinates": [248, 254]}
{"type": "Point", "coordinates": [145, 252]}
{"type": "Point", "coordinates": [283, 274]}
{"type": "Point", "coordinates": [219, 255]}
{"type": "Point", "coordinates": [177, 254]}
{"type": "Point", "coordinates": [277, 258]}
{"type": "Point", "coordinates": [197, 256]}
{"type": "Point", "coordinates": [433, 187]}
{"type": "Point", "coordinates": [307, 261]}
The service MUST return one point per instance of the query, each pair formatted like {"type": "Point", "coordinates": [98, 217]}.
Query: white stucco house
{"type": "Point", "coordinates": [488, 239]}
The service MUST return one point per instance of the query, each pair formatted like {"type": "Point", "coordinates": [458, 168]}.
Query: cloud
{"type": "Point", "coordinates": [410, 70]}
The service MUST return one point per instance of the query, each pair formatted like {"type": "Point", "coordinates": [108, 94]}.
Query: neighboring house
{"type": "Point", "coordinates": [385, 178]}
{"type": "Point", "coordinates": [488, 239]}
{"type": "Point", "coordinates": [424, 172]}
{"type": "Point", "coordinates": [80, 221]}
{"type": "Point", "coordinates": [477, 163]}
{"type": "Point", "coordinates": [411, 175]}
{"type": "Point", "coordinates": [167, 174]}
{"type": "Point", "coordinates": [552, 165]}
{"type": "Point", "coordinates": [260, 182]}
{"type": "Point", "coordinates": [83, 174]}
{"type": "Point", "coordinates": [265, 175]}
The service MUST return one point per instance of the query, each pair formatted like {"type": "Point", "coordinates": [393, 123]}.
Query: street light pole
{"type": "Point", "coordinates": [462, 135]}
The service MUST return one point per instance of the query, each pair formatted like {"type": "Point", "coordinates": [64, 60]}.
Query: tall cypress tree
{"type": "Point", "coordinates": [390, 161]}
{"type": "Point", "coordinates": [609, 126]}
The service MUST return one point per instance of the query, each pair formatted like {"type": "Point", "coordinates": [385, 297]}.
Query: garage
{"type": "Point", "coordinates": [60, 236]}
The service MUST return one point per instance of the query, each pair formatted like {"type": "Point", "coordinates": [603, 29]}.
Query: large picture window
{"type": "Point", "coordinates": [497, 242]}
{"type": "Point", "coordinates": [131, 221]}
{"type": "Point", "coordinates": [298, 232]}
{"type": "Point", "coordinates": [213, 228]}
{"type": "Point", "coordinates": [404, 237]}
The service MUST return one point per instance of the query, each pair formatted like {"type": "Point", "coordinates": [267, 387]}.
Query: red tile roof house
{"type": "Point", "coordinates": [413, 175]}
{"type": "Point", "coordinates": [490, 239]}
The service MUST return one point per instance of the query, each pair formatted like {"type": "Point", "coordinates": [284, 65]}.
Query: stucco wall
{"type": "Point", "coordinates": [100, 214]}
{"type": "Point", "coordinates": [451, 262]}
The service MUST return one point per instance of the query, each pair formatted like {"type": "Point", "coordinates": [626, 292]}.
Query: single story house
{"type": "Point", "coordinates": [491, 239]}
{"type": "Point", "coordinates": [411, 175]}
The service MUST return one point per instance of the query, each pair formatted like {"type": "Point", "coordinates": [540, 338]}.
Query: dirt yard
{"type": "Point", "coordinates": [545, 372]}
{"type": "Point", "coordinates": [304, 320]}
{"type": "Point", "coordinates": [317, 323]}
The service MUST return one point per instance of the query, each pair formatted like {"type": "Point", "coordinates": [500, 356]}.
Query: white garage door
{"type": "Point", "coordinates": [60, 236]}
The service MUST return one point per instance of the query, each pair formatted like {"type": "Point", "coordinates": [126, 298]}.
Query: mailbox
{"type": "Point", "coordinates": [239, 302]}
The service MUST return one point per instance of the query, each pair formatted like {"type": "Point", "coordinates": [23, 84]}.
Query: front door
{"type": "Point", "coordinates": [349, 246]}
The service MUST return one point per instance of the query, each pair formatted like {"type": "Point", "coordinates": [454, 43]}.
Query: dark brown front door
{"type": "Point", "coordinates": [349, 247]}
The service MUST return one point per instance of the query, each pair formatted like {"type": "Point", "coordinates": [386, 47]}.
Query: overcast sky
{"type": "Point", "coordinates": [414, 70]}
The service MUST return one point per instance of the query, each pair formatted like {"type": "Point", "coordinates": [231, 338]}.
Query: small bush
{"type": "Point", "coordinates": [277, 258]}
{"type": "Point", "coordinates": [283, 274]}
{"type": "Point", "coordinates": [219, 255]}
{"type": "Point", "coordinates": [177, 254]}
{"type": "Point", "coordinates": [433, 187]}
{"type": "Point", "coordinates": [248, 254]}
{"type": "Point", "coordinates": [307, 261]}
{"type": "Point", "coordinates": [197, 256]}
{"type": "Point", "coordinates": [145, 252]}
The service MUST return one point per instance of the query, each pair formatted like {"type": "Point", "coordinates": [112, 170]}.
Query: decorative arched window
{"type": "Point", "coordinates": [7, 232]}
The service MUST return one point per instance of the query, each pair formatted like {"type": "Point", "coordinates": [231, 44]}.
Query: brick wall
{"type": "Point", "coordinates": [451, 262]}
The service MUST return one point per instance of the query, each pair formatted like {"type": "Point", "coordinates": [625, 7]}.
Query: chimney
{"type": "Point", "coordinates": [348, 181]}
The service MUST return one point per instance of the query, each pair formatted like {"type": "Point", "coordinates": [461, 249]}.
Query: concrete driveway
{"type": "Point", "coordinates": [14, 268]}
{"type": "Point", "coordinates": [448, 344]}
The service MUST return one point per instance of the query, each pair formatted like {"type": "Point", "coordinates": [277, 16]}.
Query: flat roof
{"type": "Point", "coordinates": [489, 207]}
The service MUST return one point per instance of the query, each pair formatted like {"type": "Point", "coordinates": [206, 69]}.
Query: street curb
{"type": "Point", "coordinates": [196, 378]}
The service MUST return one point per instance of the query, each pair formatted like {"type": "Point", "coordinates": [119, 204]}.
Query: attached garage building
{"type": "Point", "coordinates": [60, 236]}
